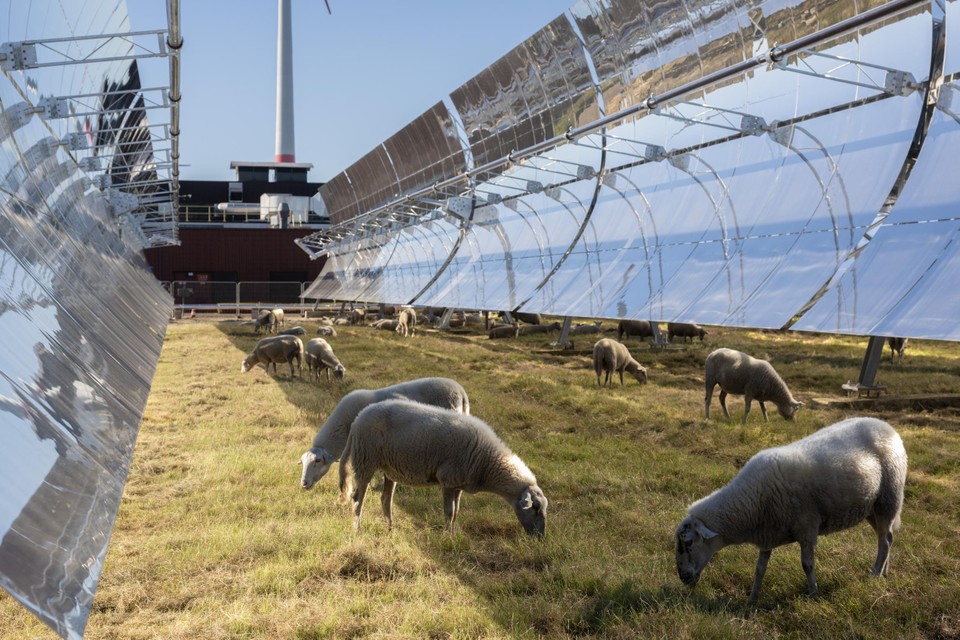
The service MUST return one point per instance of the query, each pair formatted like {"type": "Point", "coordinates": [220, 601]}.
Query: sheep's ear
{"type": "Point", "coordinates": [703, 531]}
{"type": "Point", "coordinates": [526, 500]}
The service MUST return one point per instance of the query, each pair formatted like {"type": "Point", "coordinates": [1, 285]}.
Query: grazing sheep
{"type": "Point", "coordinates": [328, 331]}
{"type": "Point", "coordinates": [328, 443]}
{"type": "Point", "coordinates": [504, 331]}
{"type": "Point", "coordinates": [609, 356]}
{"type": "Point", "coordinates": [265, 321]}
{"type": "Point", "coordinates": [897, 347]}
{"type": "Point", "coordinates": [277, 319]}
{"type": "Point", "coordinates": [829, 481]}
{"type": "Point", "coordinates": [584, 329]}
{"type": "Point", "coordinates": [634, 328]}
{"type": "Point", "coordinates": [417, 444]}
{"type": "Point", "coordinates": [685, 330]}
{"type": "Point", "coordinates": [274, 349]}
{"type": "Point", "coordinates": [320, 356]}
{"type": "Point", "coordinates": [738, 373]}
{"type": "Point", "coordinates": [358, 316]}
{"type": "Point", "coordinates": [529, 329]}
{"type": "Point", "coordinates": [406, 322]}
{"type": "Point", "coordinates": [295, 331]}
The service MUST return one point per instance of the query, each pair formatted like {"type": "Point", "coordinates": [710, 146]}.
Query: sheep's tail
{"type": "Point", "coordinates": [346, 473]}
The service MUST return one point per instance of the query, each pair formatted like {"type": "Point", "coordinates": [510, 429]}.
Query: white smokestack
{"type": "Point", "coordinates": [284, 151]}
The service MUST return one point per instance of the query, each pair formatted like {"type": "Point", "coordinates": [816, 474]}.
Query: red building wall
{"type": "Point", "coordinates": [257, 254]}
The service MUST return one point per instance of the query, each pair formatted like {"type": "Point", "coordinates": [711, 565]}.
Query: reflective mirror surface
{"type": "Point", "coordinates": [82, 319]}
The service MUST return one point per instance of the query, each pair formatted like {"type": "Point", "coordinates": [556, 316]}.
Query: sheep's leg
{"type": "Point", "coordinates": [884, 541]}
{"type": "Point", "coordinates": [386, 500]}
{"type": "Point", "coordinates": [358, 494]}
{"type": "Point", "coordinates": [708, 399]}
{"type": "Point", "coordinates": [806, 561]}
{"type": "Point", "coordinates": [723, 403]}
{"type": "Point", "coordinates": [620, 371]}
{"type": "Point", "coordinates": [451, 506]}
{"type": "Point", "coordinates": [762, 561]}
{"type": "Point", "coordinates": [747, 400]}
{"type": "Point", "coordinates": [763, 410]}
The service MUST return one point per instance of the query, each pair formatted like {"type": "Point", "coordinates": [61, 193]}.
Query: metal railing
{"type": "Point", "coordinates": [236, 297]}
{"type": "Point", "coordinates": [202, 214]}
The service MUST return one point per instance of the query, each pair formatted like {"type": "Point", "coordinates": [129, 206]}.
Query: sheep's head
{"type": "Point", "coordinates": [696, 544]}
{"type": "Point", "coordinates": [531, 510]}
{"type": "Point", "coordinates": [315, 462]}
{"type": "Point", "coordinates": [246, 365]}
{"type": "Point", "coordinates": [789, 411]}
{"type": "Point", "coordinates": [640, 374]}
{"type": "Point", "coordinates": [338, 372]}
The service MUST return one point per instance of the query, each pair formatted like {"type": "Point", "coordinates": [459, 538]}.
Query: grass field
{"type": "Point", "coordinates": [215, 538]}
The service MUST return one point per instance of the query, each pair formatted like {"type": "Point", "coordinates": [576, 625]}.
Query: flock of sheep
{"type": "Point", "coordinates": [421, 432]}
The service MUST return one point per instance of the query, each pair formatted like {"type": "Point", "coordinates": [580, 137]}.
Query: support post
{"type": "Point", "coordinates": [866, 383]}
{"type": "Point", "coordinates": [564, 340]}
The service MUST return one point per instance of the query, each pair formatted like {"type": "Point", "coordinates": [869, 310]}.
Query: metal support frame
{"type": "Point", "coordinates": [563, 342]}
{"type": "Point", "coordinates": [866, 384]}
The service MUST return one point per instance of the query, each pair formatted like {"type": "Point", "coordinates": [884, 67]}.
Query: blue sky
{"type": "Point", "coordinates": [361, 74]}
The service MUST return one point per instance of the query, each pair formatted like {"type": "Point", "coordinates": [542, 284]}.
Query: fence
{"type": "Point", "coordinates": [236, 297]}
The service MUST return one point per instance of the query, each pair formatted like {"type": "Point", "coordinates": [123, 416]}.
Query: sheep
{"type": "Point", "coordinates": [584, 329]}
{"type": "Point", "coordinates": [277, 319]}
{"type": "Point", "coordinates": [738, 373]}
{"type": "Point", "coordinates": [388, 310]}
{"type": "Point", "coordinates": [529, 318]}
{"type": "Point", "coordinates": [326, 330]}
{"type": "Point", "coordinates": [265, 321]}
{"type": "Point", "coordinates": [328, 443]}
{"type": "Point", "coordinates": [295, 331]}
{"type": "Point", "coordinates": [417, 444]}
{"type": "Point", "coordinates": [634, 328]}
{"type": "Point", "coordinates": [320, 357]}
{"type": "Point", "coordinates": [897, 347]}
{"type": "Point", "coordinates": [504, 331]}
{"type": "Point", "coordinates": [358, 316]}
{"type": "Point", "coordinates": [609, 356]}
{"type": "Point", "coordinates": [274, 349]}
{"type": "Point", "coordinates": [529, 329]}
{"type": "Point", "coordinates": [341, 322]}
{"type": "Point", "coordinates": [385, 324]}
{"type": "Point", "coordinates": [829, 481]}
{"type": "Point", "coordinates": [685, 330]}
{"type": "Point", "coordinates": [406, 321]}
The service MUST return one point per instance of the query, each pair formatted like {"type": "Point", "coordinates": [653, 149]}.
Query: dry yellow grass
{"type": "Point", "coordinates": [215, 539]}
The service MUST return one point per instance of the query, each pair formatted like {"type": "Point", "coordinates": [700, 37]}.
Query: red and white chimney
{"type": "Point", "coordinates": [285, 147]}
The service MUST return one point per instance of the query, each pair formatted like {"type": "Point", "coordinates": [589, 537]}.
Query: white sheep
{"type": "Point", "coordinates": [277, 319]}
{"type": "Point", "coordinates": [829, 481]}
{"type": "Point", "coordinates": [634, 328]}
{"type": "Point", "coordinates": [326, 330]}
{"type": "Point", "coordinates": [328, 443]}
{"type": "Point", "coordinates": [320, 357]}
{"type": "Point", "coordinates": [504, 331]}
{"type": "Point", "coordinates": [685, 330]}
{"type": "Point", "coordinates": [272, 350]}
{"type": "Point", "coordinates": [385, 324]}
{"type": "Point", "coordinates": [417, 444]}
{"type": "Point", "coordinates": [358, 316]}
{"type": "Point", "coordinates": [585, 329]}
{"type": "Point", "coordinates": [294, 331]}
{"type": "Point", "coordinates": [740, 374]}
{"type": "Point", "coordinates": [406, 322]}
{"type": "Point", "coordinates": [897, 347]}
{"type": "Point", "coordinates": [265, 321]}
{"type": "Point", "coordinates": [609, 356]}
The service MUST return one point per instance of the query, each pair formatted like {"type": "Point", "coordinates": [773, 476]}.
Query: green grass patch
{"type": "Point", "coordinates": [216, 539]}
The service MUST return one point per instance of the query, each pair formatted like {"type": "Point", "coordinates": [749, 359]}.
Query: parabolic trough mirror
{"type": "Point", "coordinates": [83, 189]}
